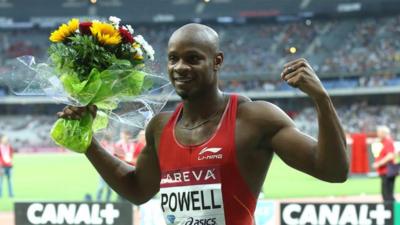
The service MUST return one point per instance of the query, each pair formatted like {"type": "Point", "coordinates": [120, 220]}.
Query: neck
{"type": "Point", "coordinates": [201, 107]}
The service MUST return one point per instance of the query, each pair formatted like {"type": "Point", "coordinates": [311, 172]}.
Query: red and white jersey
{"type": "Point", "coordinates": [387, 147]}
{"type": "Point", "coordinates": [202, 184]}
{"type": "Point", "coordinates": [6, 155]}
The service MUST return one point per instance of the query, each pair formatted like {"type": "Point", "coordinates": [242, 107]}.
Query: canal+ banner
{"type": "Point", "coordinates": [339, 214]}
{"type": "Point", "coordinates": [73, 213]}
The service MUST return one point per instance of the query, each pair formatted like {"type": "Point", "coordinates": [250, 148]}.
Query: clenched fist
{"type": "Point", "coordinates": [299, 74]}
{"type": "Point", "coordinates": [76, 113]}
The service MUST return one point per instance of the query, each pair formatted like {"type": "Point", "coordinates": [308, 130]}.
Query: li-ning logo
{"type": "Point", "coordinates": [204, 156]}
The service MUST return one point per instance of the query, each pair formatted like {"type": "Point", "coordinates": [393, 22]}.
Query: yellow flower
{"type": "Point", "coordinates": [64, 31]}
{"type": "Point", "coordinates": [138, 57]}
{"type": "Point", "coordinates": [105, 33]}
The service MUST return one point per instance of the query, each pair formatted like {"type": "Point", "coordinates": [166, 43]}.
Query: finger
{"type": "Point", "coordinates": [60, 114]}
{"type": "Point", "coordinates": [78, 112]}
{"type": "Point", "coordinates": [294, 81]}
{"type": "Point", "coordinates": [299, 69]}
{"type": "Point", "coordinates": [64, 116]}
{"type": "Point", "coordinates": [287, 75]}
{"type": "Point", "coordinates": [295, 65]}
{"type": "Point", "coordinates": [68, 111]}
{"type": "Point", "coordinates": [292, 63]}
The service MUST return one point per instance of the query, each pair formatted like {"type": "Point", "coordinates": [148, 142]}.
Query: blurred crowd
{"type": "Point", "coordinates": [31, 133]}
{"type": "Point", "coordinates": [356, 118]}
{"type": "Point", "coordinates": [346, 53]}
{"type": "Point", "coordinates": [366, 49]}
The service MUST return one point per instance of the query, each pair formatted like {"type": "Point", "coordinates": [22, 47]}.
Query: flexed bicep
{"type": "Point", "coordinates": [296, 149]}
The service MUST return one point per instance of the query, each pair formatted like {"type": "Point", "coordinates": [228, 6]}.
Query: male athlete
{"type": "Point", "coordinates": [209, 158]}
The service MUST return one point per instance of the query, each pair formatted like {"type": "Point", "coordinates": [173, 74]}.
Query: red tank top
{"type": "Point", "coordinates": [202, 184]}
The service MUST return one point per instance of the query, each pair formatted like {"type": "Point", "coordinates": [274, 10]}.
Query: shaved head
{"type": "Point", "coordinates": [197, 34]}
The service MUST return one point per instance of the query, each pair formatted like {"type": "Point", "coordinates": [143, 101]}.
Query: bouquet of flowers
{"type": "Point", "coordinates": [96, 63]}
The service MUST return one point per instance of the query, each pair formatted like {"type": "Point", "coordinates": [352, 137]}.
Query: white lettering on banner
{"type": "Point", "coordinates": [66, 213]}
{"type": "Point", "coordinates": [49, 214]}
{"type": "Point", "coordinates": [287, 214]}
{"type": "Point", "coordinates": [31, 213]}
{"type": "Point", "coordinates": [83, 215]}
{"type": "Point", "coordinates": [39, 213]}
{"type": "Point", "coordinates": [380, 214]}
{"type": "Point", "coordinates": [95, 215]}
{"type": "Point", "coordinates": [364, 215]}
{"type": "Point", "coordinates": [353, 214]}
{"type": "Point", "coordinates": [349, 215]}
{"type": "Point", "coordinates": [328, 215]}
{"type": "Point", "coordinates": [309, 215]}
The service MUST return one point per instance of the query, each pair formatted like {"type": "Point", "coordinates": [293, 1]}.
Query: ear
{"type": "Point", "coordinates": [218, 60]}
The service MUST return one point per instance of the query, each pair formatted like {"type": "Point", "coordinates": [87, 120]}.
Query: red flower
{"type": "Point", "coordinates": [126, 36]}
{"type": "Point", "coordinates": [84, 28]}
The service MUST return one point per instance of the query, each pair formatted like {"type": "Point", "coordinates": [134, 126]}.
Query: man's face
{"type": "Point", "coordinates": [190, 67]}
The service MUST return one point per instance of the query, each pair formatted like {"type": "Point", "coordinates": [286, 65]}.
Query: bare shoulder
{"type": "Point", "coordinates": [262, 114]}
{"type": "Point", "coordinates": [158, 122]}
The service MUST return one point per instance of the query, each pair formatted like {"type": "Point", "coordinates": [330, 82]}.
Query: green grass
{"type": "Point", "coordinates": [50, 177]}
{"type": "Point", "coordinates": [68, 177]}
{"type": "Point", "coordinates": [285, 182]}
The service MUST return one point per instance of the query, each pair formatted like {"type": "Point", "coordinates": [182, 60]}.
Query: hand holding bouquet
{"type": "Point", "coordinates": [98, 63]}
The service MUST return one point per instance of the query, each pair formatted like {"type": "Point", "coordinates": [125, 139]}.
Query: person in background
{"type": "Point", "coordinates": [383, 162]}
{"type": "Point", "coordinates": [124, 148]}
{"type": "Point", "coordinates": [6, 165]}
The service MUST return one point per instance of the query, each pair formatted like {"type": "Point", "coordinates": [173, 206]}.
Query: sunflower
{"type": "Point", "coordinates": [105, 33]}
{"type": "Point", "coordinates": [64, 31]}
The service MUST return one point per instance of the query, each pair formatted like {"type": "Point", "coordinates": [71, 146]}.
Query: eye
{"type": "Point", "coordinates": [194, 59]}
{"type": "Point", "coordinates": [172, 59]}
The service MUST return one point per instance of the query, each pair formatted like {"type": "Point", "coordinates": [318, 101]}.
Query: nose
{"type": "Point", "coordinates": [181, 67]}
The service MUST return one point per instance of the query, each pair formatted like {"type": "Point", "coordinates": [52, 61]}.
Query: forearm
{"type": "Point", "coordinates": [332, 160]}
{"type": "Point", "coordinates": [119, 175]}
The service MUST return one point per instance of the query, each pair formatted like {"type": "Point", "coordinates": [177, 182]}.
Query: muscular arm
{"type": "Point", "coordinates": [324, 158]}
{"type": "Point", "coordinates": [138, 184]}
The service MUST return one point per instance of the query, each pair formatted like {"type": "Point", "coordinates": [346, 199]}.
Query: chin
{"type": "Point", "coordinates": [183, 94]}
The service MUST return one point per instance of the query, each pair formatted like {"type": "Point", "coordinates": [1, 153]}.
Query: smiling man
{"type": "Point", "coordinates": [209, 158]}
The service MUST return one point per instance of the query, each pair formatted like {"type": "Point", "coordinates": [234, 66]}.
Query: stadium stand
{"type": "Point", "coordinates": [349, 53]}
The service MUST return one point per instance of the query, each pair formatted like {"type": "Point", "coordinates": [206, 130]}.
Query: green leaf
{"type": "Point", "coordinates": [100, 122]}
{"type": "Point", "coordinates": [83, 91]}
